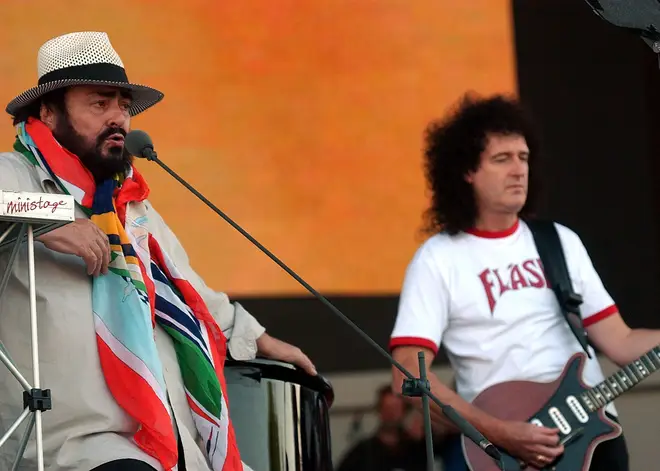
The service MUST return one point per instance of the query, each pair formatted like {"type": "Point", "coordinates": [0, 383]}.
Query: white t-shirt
{"type": "Point", "coordinates": [484, 297]}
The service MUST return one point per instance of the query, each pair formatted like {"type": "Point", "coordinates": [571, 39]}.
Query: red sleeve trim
{"type": "Point", "coordinates": [413, 342]}
{"type": "Point", "coordinates": [599, 316]}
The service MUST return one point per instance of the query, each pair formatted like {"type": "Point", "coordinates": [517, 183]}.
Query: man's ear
{"type": "Point", "coordinates": [469, 177]}
{"type": "Point", "coordinates": [47, 116]}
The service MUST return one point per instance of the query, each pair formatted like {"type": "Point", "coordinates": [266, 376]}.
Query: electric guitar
{"type": "Point", "coordinates": [566, 404]}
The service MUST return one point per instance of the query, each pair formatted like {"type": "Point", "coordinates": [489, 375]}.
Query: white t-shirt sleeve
{"type": "Point", "coordinates": [423, 305]}
{"type": "Point", "coordinates": [597, 304]}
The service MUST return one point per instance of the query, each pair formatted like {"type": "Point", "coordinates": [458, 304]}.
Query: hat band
{"type": "Point", "coordinates": [97, 72]}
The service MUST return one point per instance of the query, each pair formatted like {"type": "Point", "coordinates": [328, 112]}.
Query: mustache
{"type": "Point", "coordinates": [109, 132]}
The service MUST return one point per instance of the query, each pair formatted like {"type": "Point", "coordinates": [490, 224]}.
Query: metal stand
{"type": "Point", "coordinates": [415, 388]}
{"type": "Point", "coordinates": [420, 387]}
{"type": "Point", "coordinates": [24, 216]}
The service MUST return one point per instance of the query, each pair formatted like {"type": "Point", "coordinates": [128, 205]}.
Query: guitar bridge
{"type": "Point", "coordinates": [577, 433]}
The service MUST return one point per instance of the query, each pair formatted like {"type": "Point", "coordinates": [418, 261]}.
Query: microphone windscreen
{"type": "Point", "coordinates": [137, 142]}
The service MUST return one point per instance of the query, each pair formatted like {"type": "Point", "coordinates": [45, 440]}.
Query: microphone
{"type": "Point", "coordinates": [139, 144]}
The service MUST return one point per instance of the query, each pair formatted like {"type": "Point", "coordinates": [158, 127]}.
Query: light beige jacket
{"type": "Point", "coordinates": [86, 427]}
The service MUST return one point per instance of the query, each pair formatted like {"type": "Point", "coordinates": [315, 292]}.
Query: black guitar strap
{"type": "Point", "coordinates": [553, 259]}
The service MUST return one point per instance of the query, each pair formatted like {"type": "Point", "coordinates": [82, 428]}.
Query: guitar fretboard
{"type": "Point", "coordinates": [623, 380]}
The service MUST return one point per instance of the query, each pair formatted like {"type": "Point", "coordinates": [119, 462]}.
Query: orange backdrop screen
{"type": "Point", "coordinates": [303, 121]}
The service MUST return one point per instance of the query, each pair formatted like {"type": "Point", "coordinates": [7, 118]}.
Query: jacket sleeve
{"type": "Point", "coordinates": [11, 177]}
{"type": "Point", "coordinates": [240, 328]}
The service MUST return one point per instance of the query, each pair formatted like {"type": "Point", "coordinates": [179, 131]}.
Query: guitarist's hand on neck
{"type": "Point", "coordinates": [536, 446]}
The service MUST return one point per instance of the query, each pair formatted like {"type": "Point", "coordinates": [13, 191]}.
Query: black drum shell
{"type": "Point", "coordinates": [280, 415]}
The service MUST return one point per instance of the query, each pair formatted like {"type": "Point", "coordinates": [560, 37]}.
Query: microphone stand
{"type": "Point", "coordinates": [412, 386]}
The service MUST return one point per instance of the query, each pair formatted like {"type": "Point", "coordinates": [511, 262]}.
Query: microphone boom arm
{"type": "Point", "coordinates": [412, 386]}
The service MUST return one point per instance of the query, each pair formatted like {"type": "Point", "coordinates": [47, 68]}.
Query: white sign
{"type": "Point", "coordinates": [36, 207]}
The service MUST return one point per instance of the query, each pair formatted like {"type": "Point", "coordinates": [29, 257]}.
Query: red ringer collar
{"type": "Point", "coordinates": [494, 234]}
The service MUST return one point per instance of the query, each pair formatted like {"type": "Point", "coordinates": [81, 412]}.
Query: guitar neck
{"type": "Point", "coordinates": [626, 378]}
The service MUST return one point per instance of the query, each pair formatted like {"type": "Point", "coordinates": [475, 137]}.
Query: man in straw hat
{"type": "Point", "coordinates": [132, 341]}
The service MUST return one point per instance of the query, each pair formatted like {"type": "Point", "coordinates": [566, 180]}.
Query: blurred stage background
{"type": "Point", "coordinates": [301, 119]}
{"type": "Point", "coordinates": [304, 122]}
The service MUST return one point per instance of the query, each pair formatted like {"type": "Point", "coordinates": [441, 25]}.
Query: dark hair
{"type": "Point", "coordinates": [382, 392]}
{"type": "Point", "coordinates": [54, 99]}
{"type": "Point", "coordinates": [453, 147]}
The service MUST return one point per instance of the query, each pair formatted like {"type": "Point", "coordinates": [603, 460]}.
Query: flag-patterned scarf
{"type": "Point", "coordinates": [141, 288]}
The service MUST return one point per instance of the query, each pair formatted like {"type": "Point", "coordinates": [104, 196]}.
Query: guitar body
{"type": "Point", "coordinates": [527, 401]}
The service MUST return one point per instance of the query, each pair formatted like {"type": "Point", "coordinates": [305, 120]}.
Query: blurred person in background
{"type": "Point", "coordinates": [447, 447]}
{"type": "Point", "coordinates": [132, 341]}
{"type": "Point", "coordinates": [476, 286]}
{"type": "Point", "coordinates": [390, 448]}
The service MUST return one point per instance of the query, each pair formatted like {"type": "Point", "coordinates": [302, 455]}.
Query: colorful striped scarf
{"type": "Point", "coordinates": [141, 288]}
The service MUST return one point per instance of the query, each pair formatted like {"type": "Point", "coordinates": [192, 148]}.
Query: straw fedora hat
{"type": "Point", "coordinates": [85, 58]}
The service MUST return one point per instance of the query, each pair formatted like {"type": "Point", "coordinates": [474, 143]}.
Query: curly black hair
{"type": "Point", "coordinates": [453, 147]}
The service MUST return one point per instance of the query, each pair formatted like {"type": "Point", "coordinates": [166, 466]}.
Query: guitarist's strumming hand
{"type": "Point", "coordinates": [536, 446]}
{"type": "Point", "coordinates": [533, 445]}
